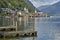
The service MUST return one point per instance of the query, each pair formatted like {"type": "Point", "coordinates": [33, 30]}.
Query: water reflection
{"type": "Point", "coordinates": [47, 28]}
{"type": "Point", "coordinates": [20, 38]}
{"type": "Point", "coordinates": [26, 24]}
{"type": "Point", "coordinates": [23, 24]}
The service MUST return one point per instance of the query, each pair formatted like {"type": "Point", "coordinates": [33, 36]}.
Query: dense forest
{"type": "Point", "coordinates": [18, 4]}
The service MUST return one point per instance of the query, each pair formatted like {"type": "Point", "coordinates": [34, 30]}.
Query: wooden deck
{"type": "Point", "coordinates": [12, 32]}
{"type": "Point", "coordinates": [18, 34]}
{"type": "Point", "coordinates": [8, 28]}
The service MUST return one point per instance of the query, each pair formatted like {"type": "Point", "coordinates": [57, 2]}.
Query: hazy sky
{"type": "Point", "coordinates": [38, 3]}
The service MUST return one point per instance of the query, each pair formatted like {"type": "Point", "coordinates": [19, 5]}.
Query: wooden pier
{"type": "Point", "coordinates": [7, 29]}
{"type": "Point", "coordinates": [12, 30]}
{"type": "Point", "coordinates": [18, 34]}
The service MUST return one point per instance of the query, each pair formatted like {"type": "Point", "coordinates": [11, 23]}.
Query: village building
{"type": "Point", "coordinates": [23, 13]}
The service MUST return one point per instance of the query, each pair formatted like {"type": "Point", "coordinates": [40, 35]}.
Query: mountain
{"type": "Point", "coordinates": [31, 5]}
{"type": "Point", "coordinates": [38, 3]}
{"type": "Point", "coordinates": [43, 7]}
{"type": "Point", "coordinates": [17, 4]}
{"type": "Point", "coordinates": [51, 9]}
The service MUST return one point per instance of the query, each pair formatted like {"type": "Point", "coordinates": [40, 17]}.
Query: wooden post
{"type": "Point", "coordinates": [16, 26]}
{"type": "Point", "coordinates": [16, 23]}
{"type": "Point", "coordinates": [4, 35]}
{"type": "Point", "coordinates": [13, 21]}
{"type": "Point", "coordinates": [3, 21]}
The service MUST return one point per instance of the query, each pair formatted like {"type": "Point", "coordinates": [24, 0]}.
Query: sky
{"type": "Point", "coordinates": [38, 3]}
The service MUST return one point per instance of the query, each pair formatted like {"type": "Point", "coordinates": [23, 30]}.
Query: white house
{"type": "Point", "coordinates": [19, 12]}
{"type": "Point", "coordinates": [26, 10]}
{"type": "Point", "coordinates": [36, 11]}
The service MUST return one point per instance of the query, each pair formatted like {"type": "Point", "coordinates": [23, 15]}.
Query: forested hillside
{"type": "Point", "coordinates": [18, 4]}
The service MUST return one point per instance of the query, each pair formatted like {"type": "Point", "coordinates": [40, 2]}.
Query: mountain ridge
{"type": "Point", "coordinates": [52, 9]}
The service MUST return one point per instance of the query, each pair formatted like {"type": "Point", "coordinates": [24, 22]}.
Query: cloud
{"type": "Point", "coordinates": [38, 3]}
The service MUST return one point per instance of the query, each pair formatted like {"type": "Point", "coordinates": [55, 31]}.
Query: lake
{"type": "Point", "coordinates": [48, 28]}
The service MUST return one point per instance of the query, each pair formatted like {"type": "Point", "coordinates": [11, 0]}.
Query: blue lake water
{"type": "Point", "coordinates": [47, 28]}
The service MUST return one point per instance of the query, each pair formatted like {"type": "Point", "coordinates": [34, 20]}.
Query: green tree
{"type": "Point", "coordinates": [20, 4]}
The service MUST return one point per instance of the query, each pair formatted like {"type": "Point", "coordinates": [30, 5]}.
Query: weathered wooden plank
{"type": "Point", "coordinates": [18, 33]}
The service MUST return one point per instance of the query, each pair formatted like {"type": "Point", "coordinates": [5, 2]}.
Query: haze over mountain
{"type": "Point", "coordinates": [38, 3]}
{"type": "Point", "coordinates": [51, 9]}
{"type": "Point", "coordinates": [47, 6]}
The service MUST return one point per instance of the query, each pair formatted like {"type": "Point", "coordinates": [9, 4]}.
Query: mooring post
{"type": "Point", "coordinates": [4, 35]}
{"type": "Point", "coordinates": [16, 26]}
{"type": "Point", "coordinates": [13, 21]}
{"type": "Point", "coordinates": [3, 21]}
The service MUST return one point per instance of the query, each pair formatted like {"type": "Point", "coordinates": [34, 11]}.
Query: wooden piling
{"type": "Point", "coordinates": [19, 34]}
